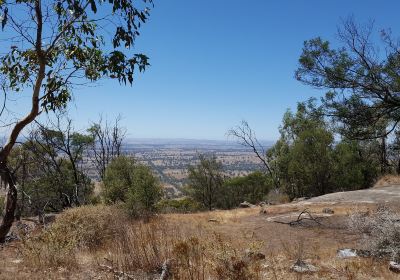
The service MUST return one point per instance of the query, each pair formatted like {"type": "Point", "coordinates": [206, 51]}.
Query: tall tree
{"type": "Point", "coordinates": [362, 83]}
{"type": "Point", "coordinates": [55, 45]}
{"type": "Point", "coordinates": [205, 180]}
{"type": "Point", "coordinates": [63, 141]}
{"type": "Point", "coordinates": [310, 162]}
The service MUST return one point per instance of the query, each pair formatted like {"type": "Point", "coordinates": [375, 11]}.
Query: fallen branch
{"type": "Point", "coordinates": [304, 215]}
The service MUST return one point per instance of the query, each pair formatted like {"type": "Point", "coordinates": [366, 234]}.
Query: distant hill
{"type": "Point", "coordinates": [188, 143]}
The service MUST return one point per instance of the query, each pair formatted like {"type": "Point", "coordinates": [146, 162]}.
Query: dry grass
{"type": "Point", "coordinates": [387, 180]}
{"type": "Point", "coordinates": [209, 245]}
{"type": "Point", "coordinates": [83, 228]}
{"type": "Point", "coordinates": [196, 254]}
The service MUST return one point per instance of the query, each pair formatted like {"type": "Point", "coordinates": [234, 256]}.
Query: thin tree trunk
{"type": "Point", "coordinates": [10, 203]}
{"type": "Point", "coordinates": [383, 155]}
{"type": "Point", "coordinates": [6, 175]}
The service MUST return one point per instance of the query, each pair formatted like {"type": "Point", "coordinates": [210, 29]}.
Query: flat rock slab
{"type": "Point", "coordinates": [373, 195]}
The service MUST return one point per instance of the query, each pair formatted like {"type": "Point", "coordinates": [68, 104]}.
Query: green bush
{"type": "Point", "coordinates": [118, 179]}
{"type": "Point", "coordinates": [144, 192]}
{"type": "Point", "coordinates": [252, 188]}
{"type": "Point", "coordinates": [183, 205]}
{"type": "Point", "coordinates": [133, 184]}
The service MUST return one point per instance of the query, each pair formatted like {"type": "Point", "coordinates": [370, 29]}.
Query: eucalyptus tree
{"type": "Point", "coordinates": [48, 47]}
{"type": "Point", "coordinates": [362, 83]}
{"type": "Point", "coordinates": [205, 180]}
{"type": "Point", "coordinates": [64, 145]}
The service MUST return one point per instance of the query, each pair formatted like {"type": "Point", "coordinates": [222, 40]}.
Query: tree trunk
{"type": "Point", "coordinates": [383, 156]}
{"type": "Point", "coordinates": [398, 167]}
{"type": "Point", "coordinates": [10, 202]}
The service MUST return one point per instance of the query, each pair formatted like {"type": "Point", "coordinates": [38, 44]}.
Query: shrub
{"type": "Point", "coordinates": [131, 183]}
{"type": "Point", "coordinates": [144, 192]}
{"type": "Point", "coordinates": [277, 197]}
{"type": "Point", "coordinates": [143, 246]}
{"type": "Point", "coordinates": [147, 246]}
{"type": "Point", "coordinates": [118, 179]}
{"type": "Point", "coordinates": [252, 188]}
{"type": "Point", "coordinates": [86, 227]}
{"type": "Point", "coordinates": [229, 263]}
{"type": "Point", "coordinates": [381, 230]}
{"type": "Point", "coordinates": [183, 205]}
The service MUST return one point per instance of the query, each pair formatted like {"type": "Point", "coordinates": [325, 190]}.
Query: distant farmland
{"type": "Point", "coordinates": [170, 158]}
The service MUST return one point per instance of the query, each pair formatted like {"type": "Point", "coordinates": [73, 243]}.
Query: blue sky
{"type": "Point", "coordinates": [216, 62]}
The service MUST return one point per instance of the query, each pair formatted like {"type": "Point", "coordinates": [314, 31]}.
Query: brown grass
{"type": "Point", "coordinates": [83, 228]}
{"type": "Point", "coordinates": [387, 180]}
{"type": "Point", "coordinates": [209, 245]}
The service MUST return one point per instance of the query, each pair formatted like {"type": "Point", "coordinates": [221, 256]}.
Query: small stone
{"type": "Point", "coordinates": [346, 253]}
{"type": "Point", "coordinates": [213, 220]}
{"type": "Point", "coordinates": [394, 267]}
{"type": "Point", "coordinates": [302, 267]}
{"type": "Point", "coordinates": [328, 211]}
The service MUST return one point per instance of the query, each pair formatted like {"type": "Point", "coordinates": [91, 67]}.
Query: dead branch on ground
{"type": "Point", "coordinates": [304, 215]}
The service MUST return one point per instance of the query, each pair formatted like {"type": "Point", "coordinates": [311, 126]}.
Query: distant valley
{"type": "Point", "coordinates": [170, 158]}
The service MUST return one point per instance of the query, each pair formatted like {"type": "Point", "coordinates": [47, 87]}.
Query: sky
{"type": "Point", "coordinates": [217, 62]}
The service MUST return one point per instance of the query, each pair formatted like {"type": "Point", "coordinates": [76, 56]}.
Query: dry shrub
{"type": "Point", "coordinates": [295, 251]}
{"type": "Point", "coordinates": [147, 246]}
{"type": "Point", "coordinates": [381, 232]}
{"type": "Point", "coordinates": [143, 246]}
{"type": "Point", "coordinates": [91, 226]}
{"type": "Point", "coordinates": [230, 263]}
{"type": "Point", "coordinates": [387, 180]}
{"type": "Point", "coordinates": [276, 198]}
{"type": "Point", "coordinates": [87, 227]}
{"type": "Point", "coordinates": [48, 250]}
